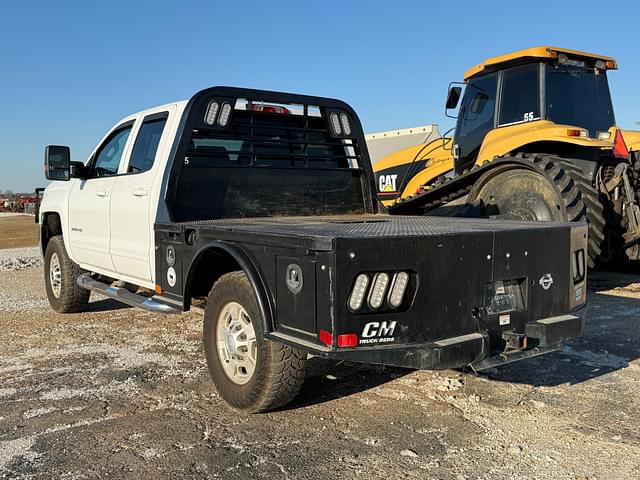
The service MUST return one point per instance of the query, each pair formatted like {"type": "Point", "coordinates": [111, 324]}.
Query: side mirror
{"type": "Point", "coordinates": [57, 162]}
{"type": "Point", "coordinates": [453, 98]}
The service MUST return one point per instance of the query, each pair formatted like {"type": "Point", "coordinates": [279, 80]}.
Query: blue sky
{"type": "Point", "coordinates": [69, 70]}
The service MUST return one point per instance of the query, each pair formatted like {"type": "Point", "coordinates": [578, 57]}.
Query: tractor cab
{"type": "Point", "coordinates": [559, 86]}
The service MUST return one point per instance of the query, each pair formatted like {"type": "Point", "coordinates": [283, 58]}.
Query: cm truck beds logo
{"type": "Point", "coordinates": [378, 332]}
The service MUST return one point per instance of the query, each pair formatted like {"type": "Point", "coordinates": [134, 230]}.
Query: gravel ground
{"type": "Point", "coordinates": [120, 393]}
{"type": "Point", "coordinates": [19, 258]}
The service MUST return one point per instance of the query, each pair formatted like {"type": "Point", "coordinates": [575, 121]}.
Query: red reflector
{"type": "Point", "coordinates": [573, 133]}
{"type": "Point", "coordinates": [620, 149]}
{"type": "Point", "coordinates": [348, 340]}
{"type": "Point", "coordinates": [326, 337]}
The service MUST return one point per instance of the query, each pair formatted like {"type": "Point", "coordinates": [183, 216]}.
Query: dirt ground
{"type": "Point", "coordinates": [17, 231]}
{"type": "Point", "coordinates": [119, 393]}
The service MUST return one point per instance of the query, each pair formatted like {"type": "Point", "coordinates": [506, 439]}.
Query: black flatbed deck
{"type": "Point", "coordinates": [321, 231]}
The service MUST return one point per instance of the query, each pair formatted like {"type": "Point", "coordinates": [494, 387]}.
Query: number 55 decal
{"type": "Point", "coordinates": [528, 117]}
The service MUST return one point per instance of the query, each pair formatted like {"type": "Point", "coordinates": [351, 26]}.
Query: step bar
{"type": "Point", "coordinates": [154, 304]}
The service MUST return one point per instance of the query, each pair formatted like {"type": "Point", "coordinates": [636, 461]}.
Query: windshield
{"type": "Point", "coordinates": [579, 96]}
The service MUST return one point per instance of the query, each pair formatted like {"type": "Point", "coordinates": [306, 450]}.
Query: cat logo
{"type": "Point", "coordinates": [387, 183]}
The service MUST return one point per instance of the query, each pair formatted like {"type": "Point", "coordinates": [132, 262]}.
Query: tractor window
{"type": "Point", "coordinates": [478, 105]}
{"type": "Point", "coordinates": [579, 97]}
{"type": "Point", "coordinates": [520, 99]}
{"type": "Point", "coordinates": [476, 118]}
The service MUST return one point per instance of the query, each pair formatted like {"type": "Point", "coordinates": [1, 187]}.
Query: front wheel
{"type": "Point", "coordinates": [251, 374]}
{"type": "Point", "coordinates": [60, 277]}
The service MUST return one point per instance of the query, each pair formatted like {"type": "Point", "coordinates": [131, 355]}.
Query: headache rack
{"type": "Point", "coordinates": [250, 153]}
{"type": "Point", "coordinates": [262, 134]}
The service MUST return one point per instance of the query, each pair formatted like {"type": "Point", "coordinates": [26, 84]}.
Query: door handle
{"type": "Point", "coordinates": [102, 193]}
{"type": "Point", "coordinates": [140, 192]}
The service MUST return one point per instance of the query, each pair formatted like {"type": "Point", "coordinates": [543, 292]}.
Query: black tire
{"type": "Point", "coordinates": [63, 292]}
{"type": "Point", "coordinates": [594, 211]}
{"type": "Point", "coordinates": [279, 369]}
{"type": "Point", "coordinates": [574, 199]}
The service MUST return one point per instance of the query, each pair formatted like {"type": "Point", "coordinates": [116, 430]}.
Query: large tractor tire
{"type": "Point", "coordinates": [251, 373]}
{"type": "Point", "coordinates": [551, 190]}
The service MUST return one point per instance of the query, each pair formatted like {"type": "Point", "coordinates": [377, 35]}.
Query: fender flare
{"type": "Point", "coordinates": [251, 270]}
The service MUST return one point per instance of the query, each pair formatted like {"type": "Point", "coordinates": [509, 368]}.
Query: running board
{"type": "Point", "coordinates": [152, 304]}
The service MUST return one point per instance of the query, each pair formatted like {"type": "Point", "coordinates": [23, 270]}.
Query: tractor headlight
{"type": "Point", "coordinates": [398, 288]}
{"type": "Point", "coordinates": [379, 288]}
{"type": "Point", "coordinates": [359, 290]}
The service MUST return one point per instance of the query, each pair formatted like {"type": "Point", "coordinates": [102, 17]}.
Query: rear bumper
{"type": "Point", "coordinates": [542, 336]}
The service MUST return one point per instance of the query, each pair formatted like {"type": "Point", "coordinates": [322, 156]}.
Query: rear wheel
{"type": "Point", "coordinates": [551, 190]}
{"type": "Point", "coordinates": [250, 373]}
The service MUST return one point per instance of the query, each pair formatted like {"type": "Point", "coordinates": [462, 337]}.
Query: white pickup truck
{"type": "Point", "coordinates": [260, 207]}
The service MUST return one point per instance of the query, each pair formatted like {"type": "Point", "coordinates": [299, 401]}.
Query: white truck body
{"type": "Point", "coordinates": [109, 220]}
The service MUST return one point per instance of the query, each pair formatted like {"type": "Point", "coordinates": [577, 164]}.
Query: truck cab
{"type": "Point", "coordinates": [259, 209]}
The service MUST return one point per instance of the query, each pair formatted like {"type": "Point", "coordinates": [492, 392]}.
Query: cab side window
{"type": "Point", "coordinates": [108, 157]}
{"type": "Point", "coordinates": [478, 106]}
{"type": "Point", "coordinates": [520, 99]}
{"type": "Point", "coordinates": [146, 146]}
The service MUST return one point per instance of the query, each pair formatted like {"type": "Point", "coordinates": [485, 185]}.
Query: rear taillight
{"type": "Point", "coordinates": [398, 288]}
{"type": "Point", "coordinates": [267, 108]}
{"type": "Point", "coordinates": [576, 132]}
{"type": "Point", "coordinates": [358, 292]}
{"type": "Point", "coordinates": [325, 337]}
{"type": "Point", "coordinates": [378, 290]}
{"type": "Point", "coordinates": [347, 340]}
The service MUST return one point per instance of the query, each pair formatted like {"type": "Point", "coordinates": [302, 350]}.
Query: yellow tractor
{"type": "Point", "coordinates": [535, 139]}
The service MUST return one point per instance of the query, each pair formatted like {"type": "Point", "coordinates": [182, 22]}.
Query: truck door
{"type": "Point", "coordinates": [133, 204]}
{"type": "Point", "coordinates": [475, 119]}
{"type": "Point", "coordinates": [89, 202]}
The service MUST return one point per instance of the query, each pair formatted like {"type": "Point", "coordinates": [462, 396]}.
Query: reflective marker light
{"type": "Point", "coordinates": [325, 337]}
{"type": "Point", "coordinates": [346, 126]}
{"type": "Point", "coordinates": [574, 132]}
{"type": "Point", "coordinates": [348, 340]}
{"type": "Point", "coordinates": [378, 290]}
{"type": "Point", "coordinates": [335, 123]}
{"type": "Point", "coordinates": [400, 282]}
{"type": "Point", "coordinates": [224, 114]}
{"type": "Point", "coordinates": [357, 294]}
{"type": "Point", "coordinates": [212, 111]}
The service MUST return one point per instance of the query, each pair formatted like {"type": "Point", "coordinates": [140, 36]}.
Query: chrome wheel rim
{"type": "Point", "coordinates": [55, 275]}
{"type": "Point", "coordinates": [237, 345]}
